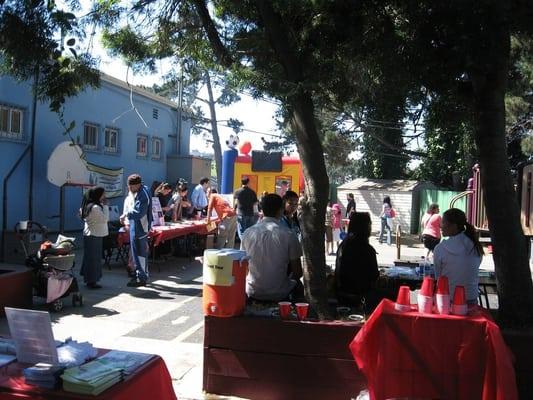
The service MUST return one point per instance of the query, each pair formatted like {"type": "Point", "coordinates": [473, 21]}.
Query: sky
{"type": "Point", "coordinates": [256, 115]}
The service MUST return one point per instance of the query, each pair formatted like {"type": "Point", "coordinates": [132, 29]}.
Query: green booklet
{"type": "Point", "coordinates": [91, 378]}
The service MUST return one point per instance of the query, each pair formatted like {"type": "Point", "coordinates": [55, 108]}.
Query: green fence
{"type": "Point", "coordinates": [442, 198]}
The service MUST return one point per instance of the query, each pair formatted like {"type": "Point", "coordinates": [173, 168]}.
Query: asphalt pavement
{"type": "Point", "coordinates": [165, 317]}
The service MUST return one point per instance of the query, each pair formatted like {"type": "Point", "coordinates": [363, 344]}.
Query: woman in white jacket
{"type": "Point", "coordinates": [458, 257]}
{"type": "Point", "coordinates": [95, 214]}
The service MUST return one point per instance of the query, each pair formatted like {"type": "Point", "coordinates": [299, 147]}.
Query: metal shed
{"type": "Point", "coordinates": [369, 194]}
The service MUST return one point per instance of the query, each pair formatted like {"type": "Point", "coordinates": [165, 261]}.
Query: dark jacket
{"type": "Point", "coordinates": [356, 267]}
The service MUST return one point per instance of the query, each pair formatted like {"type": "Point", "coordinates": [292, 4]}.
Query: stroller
{"type": "Point", "coordinates": [52, 267]}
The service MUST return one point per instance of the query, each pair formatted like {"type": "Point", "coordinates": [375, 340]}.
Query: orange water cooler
{"type": "Point", "coordinates": [224, 275]}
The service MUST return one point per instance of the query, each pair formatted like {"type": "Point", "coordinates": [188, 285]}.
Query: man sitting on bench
{"type": "Point", "coordinates": [275, 268]}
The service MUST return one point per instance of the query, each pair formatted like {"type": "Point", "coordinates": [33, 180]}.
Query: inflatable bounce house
{"type": "Point", "coordinates": [267, 171]}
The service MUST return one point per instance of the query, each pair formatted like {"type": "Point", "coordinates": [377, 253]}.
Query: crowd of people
{"type": "Point", "coordinates": [270, 233]}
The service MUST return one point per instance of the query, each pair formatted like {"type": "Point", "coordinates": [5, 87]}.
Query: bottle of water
{"type": "Point", "coordinates": [428, 268]}
{"type": "Point", "coordinates": [421, 266]}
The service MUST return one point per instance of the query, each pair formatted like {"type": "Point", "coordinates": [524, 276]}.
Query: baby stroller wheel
{"type": "Point", "coordinates": [77, 298]}
{"type": "Point", "coordinates": [56, 305]}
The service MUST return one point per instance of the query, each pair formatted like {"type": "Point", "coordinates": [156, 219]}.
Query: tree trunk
{"type": "Point", "coordinates": [311, 155]}
{"type": "Point", "coordinates": [214, 130]}
{"type": "Point", "coordinates": [314, 208]}
{"type": "Point", "coordinates": [515, 289]}
{"type": "Point", "coordinates": [308, 142]}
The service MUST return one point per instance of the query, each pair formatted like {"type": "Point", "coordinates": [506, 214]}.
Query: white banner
{"type": "Point", "coordinates": [111, 179]}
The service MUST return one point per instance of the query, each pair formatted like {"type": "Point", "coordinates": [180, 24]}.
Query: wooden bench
{"type": "Point", "coordinates": [267, 358]}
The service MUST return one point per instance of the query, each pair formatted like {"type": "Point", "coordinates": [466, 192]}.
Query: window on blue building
{"type": "Point", "coordinates": [142, 142]}
{"type": "Point", "coordinates": [90, 136]}
{"type": "Point", "coordinates": [10, 122]}
{"type": "Point", "coordinates": [156, 148]}
{"type": "Point", "coordinates": [111, 140]}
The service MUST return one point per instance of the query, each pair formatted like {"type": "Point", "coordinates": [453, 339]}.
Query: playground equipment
{"type": "Point", "coordinates": [476, 213]}
{"type": "Point", "coordinates": [267, 171]}
{"type": "Point", "coordinates": [475, 204]}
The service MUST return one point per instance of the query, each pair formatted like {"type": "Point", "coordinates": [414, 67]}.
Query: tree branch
{"type": "Point", "coordinates": [221, 52]}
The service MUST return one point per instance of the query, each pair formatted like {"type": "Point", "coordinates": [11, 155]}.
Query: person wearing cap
{"type": "Point", "coordinates": [140, 221]}
{"type": "Point", "coordinates": [199, 196]}
{"type": "Point", "coordinates": [336, 223]}
{"type": "Point", "coordinates": [227, 228]}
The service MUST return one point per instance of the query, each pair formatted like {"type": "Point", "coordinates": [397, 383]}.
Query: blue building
{"type": "Point", "coordinates": [116, 125]}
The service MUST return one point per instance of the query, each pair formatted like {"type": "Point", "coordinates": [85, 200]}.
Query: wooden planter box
{"type": "Point", "coordinates": [15, 287]}
{"type": "Point", "coordinates": [521, 344]}
{"type": "Point", "coordinates": [265, 358]}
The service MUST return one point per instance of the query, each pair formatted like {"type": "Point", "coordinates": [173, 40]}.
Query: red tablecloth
{"type": "Point", "coordinates": [151, 381]}
{"type": "Point", "coordinates": [434, 356]}
{"type": "Point", "coordinates": [160, 234]}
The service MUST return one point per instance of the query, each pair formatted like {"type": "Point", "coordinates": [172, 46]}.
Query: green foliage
{"type": "Point", "coordinates": [527, 146]}
{"type": "Point", "coordinates": [132, 47]}
{"type": "Point", "coordinates": [32, 47]}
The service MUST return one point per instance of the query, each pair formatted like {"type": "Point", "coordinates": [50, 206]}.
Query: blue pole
{"type": "Point", "coordinates": [228, 170]}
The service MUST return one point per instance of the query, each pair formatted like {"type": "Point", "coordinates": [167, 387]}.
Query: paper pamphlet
{"type": "Point", "coordinates": [218, 268]}
{"type": "Point", "coordinates": [32, 333]}
{"type": "Point", "coordinates": [157, 212]}
{"type": "Point", "coordinates": [126, 360]}
{"type": "Point", "coordinates": [211, 226]}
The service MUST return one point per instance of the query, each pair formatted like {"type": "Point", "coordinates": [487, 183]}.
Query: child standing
{"type": "Point", "coordinates": [336, 223]}
{"type": "Point", "coordinates": [329, 231]}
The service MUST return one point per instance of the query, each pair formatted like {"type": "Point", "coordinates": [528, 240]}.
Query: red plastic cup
{"type": "Point", "coordinates": [459, 297]}
{"type": "Point", "coordinates": [284, 309]}
{"type": "Point", "coordinates": [442, 285]}
{"type": "Point", "coordinates": [403, 302]}
{"type": "Point", "coordinates": [427, 287]}
{"type": "Point", "coordinates": [301, 310]}
{"type": "Point", "coordinates": [404, 296]}
{"type": "Point", "coordinates": [459, 306]}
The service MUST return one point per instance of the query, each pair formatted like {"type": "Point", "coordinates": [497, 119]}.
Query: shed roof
{"type": "Point", "coordinates": [398, 185]}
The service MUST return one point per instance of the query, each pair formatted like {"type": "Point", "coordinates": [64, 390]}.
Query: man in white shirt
{"type": "Point", "coordinates": [275, 268]}
{"type": "Point", "coordinates": [199, 197]}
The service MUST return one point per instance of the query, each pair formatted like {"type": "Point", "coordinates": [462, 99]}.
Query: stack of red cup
{"type": "Point", "coordinates": [443, 295]}
{"type": "Point", "coordinates": [459, 306]}
{"type": "Point", "coordinates": [403, 302]}
{"type": "Point", "coordinates": [425, 296]}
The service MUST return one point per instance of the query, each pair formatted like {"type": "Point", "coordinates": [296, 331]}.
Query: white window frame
{"type": "Point", "coordinates": [86, 145]}
{"type": "Point", "coordinates": [157, 145]}
{"type": "Point", "coordinates": [140, 151]}
{"type": "Point", "coordinates": [107, 139]}
{"type": "Point", "coordinates": [8, 132]}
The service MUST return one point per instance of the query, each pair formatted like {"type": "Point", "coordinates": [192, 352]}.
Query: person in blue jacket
{"type": "Point", "coordinates": [140, 221]}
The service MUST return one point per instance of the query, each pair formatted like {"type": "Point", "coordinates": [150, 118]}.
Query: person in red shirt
{"type": "Point", "coordinates": [227, 228]}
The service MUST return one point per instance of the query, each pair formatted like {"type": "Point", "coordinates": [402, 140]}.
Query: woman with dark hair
{"type": "Point", "coordinates": [181, 206]}
{"type": "Point", "coordinates": [163, 194]}
{"type": "Point", "coordinates": [356, 267]}
{"type": "Point", "coordinates": [95, 214]}
{"type": "Point", "coordinates": [459, 256]}
{"type": "Point", "coordinates": [386, 220]}
{"type": "Point", "coordinates": [431, 228]}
